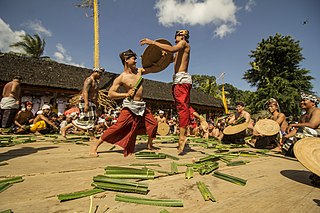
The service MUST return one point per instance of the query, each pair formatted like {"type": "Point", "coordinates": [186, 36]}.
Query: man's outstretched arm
{"type": "Point", "coordinates": [166, 47]}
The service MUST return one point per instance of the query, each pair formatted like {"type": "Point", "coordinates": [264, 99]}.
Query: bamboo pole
{"type": "Point", "coordinates": [96, 33]}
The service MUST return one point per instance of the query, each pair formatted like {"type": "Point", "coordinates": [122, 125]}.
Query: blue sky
{"type": "Point", "coordinates": [222, 32]}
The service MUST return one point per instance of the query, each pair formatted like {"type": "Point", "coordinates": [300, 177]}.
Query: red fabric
{"type": "Point", "coordinates": [193, 121]}
{"type": "Point", "coordinates": [71, 110]}
{"type": "Point", "coordinates": [124, 132]}
{"type": "Point", "coordinates": [181, 95]}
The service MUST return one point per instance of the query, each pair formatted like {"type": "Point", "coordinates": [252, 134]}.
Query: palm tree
{"type": "Point", "coordinates": [32, 45]}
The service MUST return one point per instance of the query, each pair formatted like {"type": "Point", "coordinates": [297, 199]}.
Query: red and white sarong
{"type": "Point", "coordinates": [181, 95]}
{"type": "Point", "coordinates": [182, 84]}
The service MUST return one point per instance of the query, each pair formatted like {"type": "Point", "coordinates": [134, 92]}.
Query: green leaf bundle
{"type": "Point", "coordinates": [80, 194]}
{"type": "Point", "coordinates": [206, 194]}
{"type": "Point", "coordinates": [147, 201]}
{"type": "Point", "coordinates": [103, 182]}
{"type": "Point", "coordinates": [230, 178]}
{"type": "Point", "coordinates": [4, 186]}
{"type": "Point", "coordinates": [174, 167]}
{"type": "Point", "coordinates": [207, 168]}
{"type": "Point", "coordinates": [189, 173]}
{"type": "Point", "coordinates": [150, 155]}
{"type": "Point", "coordinates": [237, 163]}
{"type": "Point", "coordinates": [12, 180]}
{"type": "Point", "coordinates": [128, 173]}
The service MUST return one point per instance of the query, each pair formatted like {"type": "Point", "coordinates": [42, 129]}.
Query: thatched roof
{"type": "Point", "coordinates": [47, 73]}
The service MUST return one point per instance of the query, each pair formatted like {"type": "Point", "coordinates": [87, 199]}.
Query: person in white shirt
{"type": "Point", "coordinates": [36, 105]}
{"type": "Point", "coordinates": [61, 102]}
{"type": "Point", "coordinates": [45, 99]}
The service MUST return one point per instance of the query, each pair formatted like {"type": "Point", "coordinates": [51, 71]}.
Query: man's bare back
{"type": "Point", "coordinates": [12, 89]}
{"type": "Point", "coordinates": [91, 87]}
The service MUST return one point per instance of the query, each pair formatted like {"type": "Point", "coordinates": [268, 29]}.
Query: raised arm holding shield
{"type": "Point", "coordinates": [182, 81]}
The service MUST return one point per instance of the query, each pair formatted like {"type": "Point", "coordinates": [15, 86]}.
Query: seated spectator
{"type": "Point", "coordinates": [23, 119]}
{"type": "Point", "coordinates": [61, 116]}
{"type": "Point", "coordinates": [161, 118]}
{"type": "Point", "coordinates": [193, 129]}
{"type": "Point", "coordinates": [214, 131]}
{"type": "Point", "coordinates": [55, 119]}
{"type": "Point", "coordinates": [173, 125]}
{"type": "Point", "coordinates": [42, 123]}
{"type": "Point", "coordinates": [101, 126]}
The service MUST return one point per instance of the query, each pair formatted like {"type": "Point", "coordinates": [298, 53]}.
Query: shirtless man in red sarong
{"type": "Point", "coordinates": [134, 118]}
{"type": "Point", "coordinates": [182, 83]}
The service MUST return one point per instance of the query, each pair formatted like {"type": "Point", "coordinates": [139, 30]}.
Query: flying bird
{"type": "Point", "coordinates": [305, 22]}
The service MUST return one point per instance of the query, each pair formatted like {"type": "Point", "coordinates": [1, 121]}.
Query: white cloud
{"type": "Point", "coordinates": [223, 30]}
{"type": "Point", "coordinates": [8, 37]}
{"type": "Point", "coordinates": [62, 56]}
{"type": "Point", "coordinates": [249, 5]}
{"type": "Point", "coordinates": [58, 56]}
{"type": "Point", "coordinates": [221, 13]}
{"type": "Point", "coordinates": [36, 25]}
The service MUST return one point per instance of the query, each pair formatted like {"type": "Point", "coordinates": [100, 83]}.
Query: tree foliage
{"type": "Point", "coordinates": [234, 95]}
{"type": "Point", "coordinates": [207, 84]}
{"type": "Point", "coordinates": [32, 45]}
{"type": "Point", "coordinates": [275, 71]}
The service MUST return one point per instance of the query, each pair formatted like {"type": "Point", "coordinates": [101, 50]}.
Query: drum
{"type": "Point", "coordinates": [267, 127]}
{"type": "Point", "coordinates": [235, 134]}
{"type": "Point", "coordinates": [232, 130]}
{"type": "Point", "coordinates": [307, 151]}
{"type": "Point", "coordinates": [163, 129]}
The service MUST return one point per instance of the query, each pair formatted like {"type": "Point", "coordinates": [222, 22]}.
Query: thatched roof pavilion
{"type": "Point", "coordinates": [43, 75]}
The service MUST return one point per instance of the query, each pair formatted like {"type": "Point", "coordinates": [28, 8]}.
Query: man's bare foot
{"type": "Point", "coordinates": [93, 154]}
{"type": "Point", "coordinates": [277, 149]}
{"type": "Point", "coordinates": [252, 142]}
{"type": "Point", "coordinates": [63, 132]}
{"type": "Point", "coordinates": [182, 143]}
{"type": "Point", "coordinates": [206, 135]}
{"type": "Point", "coordinates": [93, 151]}
{"type": "Point", "coordinates": [93, 140]}
{"type": "Point", "coordinates": [37, 133]}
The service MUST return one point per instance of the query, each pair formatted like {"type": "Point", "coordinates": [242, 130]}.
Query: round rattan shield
{"type": "Point", "coordinates": [153, 55]}
{"type": "Point", "coordinates": [267, 127]}
{"type": "Point", "coordinates": [307, 151]}
{"type": "Point", "coordinates": [163, 129]}
{"type": "Point", "coordinates": [231, 130]}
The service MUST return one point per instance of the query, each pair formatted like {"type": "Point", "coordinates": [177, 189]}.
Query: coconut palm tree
{"type": "Point", "coordinates": [32, 45]}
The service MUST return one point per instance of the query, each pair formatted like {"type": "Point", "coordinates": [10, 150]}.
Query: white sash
{"type": "Point", "coordinates": [137, 107]}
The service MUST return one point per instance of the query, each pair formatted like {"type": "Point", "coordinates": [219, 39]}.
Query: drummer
{"type": "Point", "coordinates": [262, 141]}
{"type": "Point", "coordinates": [277, 116]}
{"type": "Point", "coordinates": [240, 113]}
{"type": "Point", "coordinates": [280, 118]}
{"type": "Point", "coordinates": [308, 126]}
{"type": "Point", "coordinates": [235, 120]}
